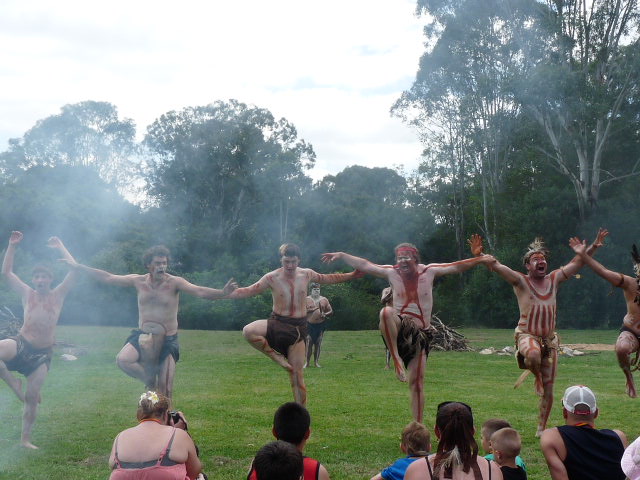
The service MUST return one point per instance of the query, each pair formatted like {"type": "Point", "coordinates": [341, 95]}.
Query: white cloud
{"type": "Point", "coordinates": [333, 68]}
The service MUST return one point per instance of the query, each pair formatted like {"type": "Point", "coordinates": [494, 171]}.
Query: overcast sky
{"type": "Point", "coordinates": [332, 68]}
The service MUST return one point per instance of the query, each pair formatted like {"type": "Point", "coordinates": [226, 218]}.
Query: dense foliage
{"type": "Point", "coordinates": [530, 116]}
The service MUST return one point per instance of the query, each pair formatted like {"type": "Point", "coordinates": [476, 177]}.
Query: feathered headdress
{"type": "Point", "coordinates": [537, 246]}
{"type": "Point", "coordinates": [636, 259]}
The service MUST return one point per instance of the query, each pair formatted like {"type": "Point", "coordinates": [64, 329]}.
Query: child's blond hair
{"type": "Point", "coordinates": [506, 441]}
{"type": "Point", "coordinates": [416, 439]}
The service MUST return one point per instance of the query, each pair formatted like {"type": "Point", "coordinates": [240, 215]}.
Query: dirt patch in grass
{"type": "Point", "coordinates": [590, 346]}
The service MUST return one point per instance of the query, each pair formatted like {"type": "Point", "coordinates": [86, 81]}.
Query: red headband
{"type": "Point", "coordinates": [407, 249]}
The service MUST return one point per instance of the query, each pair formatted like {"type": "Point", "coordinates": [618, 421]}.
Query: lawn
{"type": "Point", "coordinates": [229, 392]}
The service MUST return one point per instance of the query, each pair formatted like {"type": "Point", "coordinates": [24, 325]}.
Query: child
{"type": "Point", "coordinates": [489, 428]}
{"type": "Point", "coordinates": [416, 443]}
{"type": "Point", "coordinates": [506, 444]}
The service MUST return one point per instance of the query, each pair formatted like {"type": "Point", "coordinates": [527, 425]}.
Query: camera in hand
{"type": "Point", "coordinates": [175, 416]}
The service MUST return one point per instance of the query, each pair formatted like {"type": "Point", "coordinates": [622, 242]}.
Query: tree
{"type": "Point", "coordinates": [87, 134]}
{"type": "Point", "coordinates": [224, 172]}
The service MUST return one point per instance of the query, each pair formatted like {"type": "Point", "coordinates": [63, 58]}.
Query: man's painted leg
{"type": "Point", "coordinates": [296, 355]}
{"type": "Point", "coordinates": [308, 347]}
{"type": "Point", "coordinates": [31, 400]}
{"type": "Point", "coordinates": [127, 361]}
{"type": "Point", "coordinates": [255, 334]}
{"type": "Point", "coordinates": [14, 383]}
{"type": "Point", "coordinates": [166, 375]}
{"type": "Point", "coordinates": [389, 325]}
{"type": "Point", "coordinates": [316, 353]}
{"type": "Point", "coordinates": [626, 345]}
{"type": "Point", "coordinates": [416, 370]}
{"type": "Point", "coordinates": [548, 373]}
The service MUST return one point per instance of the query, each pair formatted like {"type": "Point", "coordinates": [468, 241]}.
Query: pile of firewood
{"type": "Point", "coordinates": [447, 339]}
{"type": "Point", "coordinates": [9, 323]}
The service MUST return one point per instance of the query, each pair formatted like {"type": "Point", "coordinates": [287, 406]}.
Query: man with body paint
{"type": "Point", "coordinates": [150, 353]}
{"type": "Point", "coordinates": [318, 309]}
{"type": "Point", "coordinates": [535, 336]}
{"type": "Point", "coordinates": [31, 351]}
{"type": "Point", "coordinates": [282, 337]}
{"type": "Point", "coordinates": [407, 326]}
{"type": "Point", "coordinates": [628, 341]}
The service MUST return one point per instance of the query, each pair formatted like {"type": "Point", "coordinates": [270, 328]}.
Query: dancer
{"type": "Point", "coordinates": [151, 352]}
{"type": "Point", "coordinates": [318, 309]}
{"type": "Point", "coordinates": [31, 351]}
{"type": "Point", "coordinates": [282, 337]}
{"type": "Point", "coordinates": [407, 326]}
{"type": "Point", "coordinates": [628, 340]}
{"type": "Point", "coordinates": [535, 336]}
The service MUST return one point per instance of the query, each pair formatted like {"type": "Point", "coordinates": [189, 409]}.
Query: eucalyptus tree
{"type": "Point", "coordinates": [85, 134]}
{"type": "Point", "coordinates": [224, 172]}
{"type": "Point", "coordinates": [585, 75]}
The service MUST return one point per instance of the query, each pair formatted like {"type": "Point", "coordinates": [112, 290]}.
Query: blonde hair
{"type": "Point", "coordinates": [152, 405]}
{"type": "Point", "coordinates": [416, 439]}
{"type": "Point", "coordinates": [507, 441]}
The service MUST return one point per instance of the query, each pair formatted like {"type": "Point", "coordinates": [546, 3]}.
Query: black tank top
{"type": "Point", "coordinates": [592, 454]}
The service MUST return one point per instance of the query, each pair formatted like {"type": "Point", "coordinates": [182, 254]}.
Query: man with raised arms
{"type": "Point", "coordinates": [628, 340]}
{"type": "Point", "coordinates": [151, 351]}
{"type": "Point", "coordinates": [31, 351]}
{"type": "Point", "coordinates": [282, 337]}
{"type": "Point", "coordinates": [535, 336]}
{"type": "Point", "coordinates": [406, 327]}
{"type": "Point", "coordinates": [318, 309]}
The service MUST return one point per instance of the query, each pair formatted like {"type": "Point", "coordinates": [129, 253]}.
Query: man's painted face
{"type": "Point", "coordinates": [158, 265]}
{"type": "Point", "coordinates": [289, 264]}
{"type": "Point", "coordinates": [42, 281]}
{"type": "Point", "coordinates": [315, 292]}
{"type": "Point", "coordinates": [538, 264]}
{"type": "Point", "coordinates": [406, 262]}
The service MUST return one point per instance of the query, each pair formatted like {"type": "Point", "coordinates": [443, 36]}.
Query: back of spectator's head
{"type": "Point", "coordinates": [580, 400]}
{"type": "Point", "coordinates": [152, 405]}
{"type": "Point", "coordinates": [278, 460]}
{"type": "Point", "coordinates": [291, 423]}
{"type": "Point", "coordinates": [416, 439]}
{"type": "Point", "coordinates": [488, 428]}
{"type": "Point", "coordinates": [506, 444]}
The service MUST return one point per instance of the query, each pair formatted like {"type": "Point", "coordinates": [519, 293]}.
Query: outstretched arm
{"type": "Point", "coordinates": [615, 278]}
{"type": "Point", "coordinates": [69, 279]}
{"type": "Point", "coordinates": [103, 276]}
{"type": "Point", "coordinates": [327, 278]}
{"type": "Point", "coordinates": [252, 290]}
{"type": "Point", "coordinates": [14, 281]}
{"type": "Point", "coordinates": [206, 292]}
{"type": "Point", "coordinates": [475, 243]}
{"type": "Point", "coordinates": [461, 265]}
{"type": "Point", "coordinates": [577, 262]}
{"type": "Point", "coordinates": [358, 263]}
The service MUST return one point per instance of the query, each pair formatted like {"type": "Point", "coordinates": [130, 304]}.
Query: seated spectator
{"type": "Point", "coordinates": [489, 428]}
{"type": "Point", "coordinates": [457, 455]}
{"type": "Point", "coordinates": [577, 450]}
{"type": "Point", "coordinates": [278, 461]}
{"type": "Point", "coordinates": [415, 443]}
{"type": "Point", "coordinates": [506, 444]}
{"type": "Point", "coordinates": [292, 424]}
{"type": "Point", "coordinates": [156, 447]}
{"type": "Point", "coordinates": [631, 460]}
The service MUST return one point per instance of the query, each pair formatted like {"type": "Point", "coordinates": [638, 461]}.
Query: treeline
{"type": "Point", "coordinates": [530, 129]}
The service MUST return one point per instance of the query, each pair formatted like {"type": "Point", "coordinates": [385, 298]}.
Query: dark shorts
{"type": "Point", "coordinates": [627, 329]}
{"type": "Point", "coordinates": [28, 359]}
{"type": "Point", "coordinates": [412, 341]}
{"type": "Point", "coordinates": [315, 330]}
{"type": "Point", "coordinates": [169, 347]}
{"type": "Point", "coordinates": [283, 332]}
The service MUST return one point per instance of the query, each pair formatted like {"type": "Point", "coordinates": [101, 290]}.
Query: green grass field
{"type": "Point", "coordinates": [229, 392]}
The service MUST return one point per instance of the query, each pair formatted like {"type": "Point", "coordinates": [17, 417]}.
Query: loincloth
{"type": "Point", "coordinates": [315, 330]}
{"type": "Point", "coordinates": [170, 345]}
{"type": "Point", "coordinates": [412, 340]}
{"type": "Point", "coordinates": [28, 358]}
{"type": "Point", "coordinates": [547, 345]}
{"type": "Point", "coordinates": [283, 332]}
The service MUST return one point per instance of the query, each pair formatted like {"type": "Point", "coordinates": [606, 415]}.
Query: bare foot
{"type": "Point", "coordinates": [305, 365]}
{"type": "Point", "coordinates": [539, 431]}
{"type": "Point", "coordinates": [318, 365]}
{"type": "Point", "coordinates": [539, 387]}
{"type": "Point", "coordinates": [400, 373]}
{"type": "Point", "coordinates": [27, 444]}
{"type": "Point", "coordinates": [631, 389]}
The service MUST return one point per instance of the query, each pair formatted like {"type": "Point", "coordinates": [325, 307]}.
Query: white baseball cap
{"type": "Point", "coordinates": [579, 395]}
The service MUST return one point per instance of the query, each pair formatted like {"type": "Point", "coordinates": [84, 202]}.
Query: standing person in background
{"type": "Point", "coordinates": [151, 351]}
{"type": "Point", "coordinates": [31, 351]}
{"type": "Point", "coordinates": [629, 339]}
{"type": "Point", "coordinates": [318, 309]}
{"type": "Point", "coordinates": [283, 336]}
{"type": "Point", "coordinates": [535, 335]}
{"type": "Point", "coordinates": [407, 326]}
